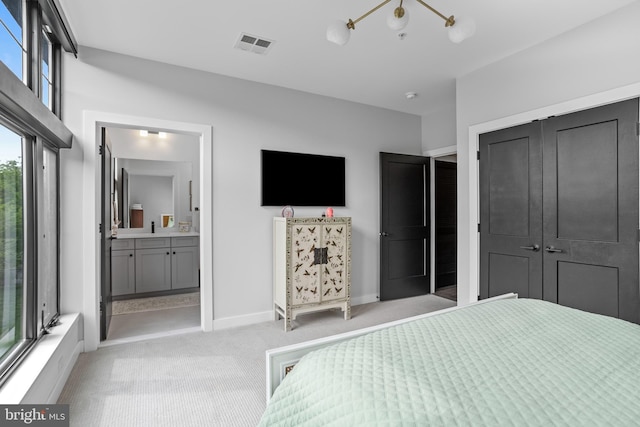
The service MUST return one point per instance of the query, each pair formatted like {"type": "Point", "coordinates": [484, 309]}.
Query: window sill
{"type": "Point", "coordinates": [42, 374]}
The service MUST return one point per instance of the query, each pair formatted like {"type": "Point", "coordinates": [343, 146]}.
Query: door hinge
{"type": "Point", "coordinates": [478, 154]}
{"type": "Point", "coordinates": [101, 150]}
{"type": "Point", "coordinates": [99, 228]}
{"type": "Point", "coordinates": [638, 128]}
{"type": "Point", "coordinates": [478, 227]}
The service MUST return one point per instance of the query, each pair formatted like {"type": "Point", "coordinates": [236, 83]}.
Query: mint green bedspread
{"type": "Point", "coordinates": [513, 362]}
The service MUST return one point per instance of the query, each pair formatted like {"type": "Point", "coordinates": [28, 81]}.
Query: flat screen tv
{"type": "Point", "coordinates": [298, 179]}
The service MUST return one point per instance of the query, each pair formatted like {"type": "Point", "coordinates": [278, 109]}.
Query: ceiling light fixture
{"type": "Point", "coordinates": [144, 132]}
{"type": "Point", "coordinates": [162, 135]}
{"type": "Point", "coordinates": [463, 28]}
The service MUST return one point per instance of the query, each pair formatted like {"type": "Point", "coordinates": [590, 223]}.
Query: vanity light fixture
{"type": "Point", "coordinates": [161, 135]}
{"type": "Point", "coordinates": [340, 31]}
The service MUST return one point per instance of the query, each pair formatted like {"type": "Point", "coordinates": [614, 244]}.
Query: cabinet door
{"type": "Point", "coordinates": [123, 273]}
{"type": "Point", "coordinates": [334, 272]}
{"type": "Point", "coordinates": [184, 267]}
{"type": "Point", "coordinates": [304, 265]}
{"type": "Point", "coordinates": [153, 270]}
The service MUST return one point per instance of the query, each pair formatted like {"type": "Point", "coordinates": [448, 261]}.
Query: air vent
{"type": "Point", "coordinates": [254, 44]}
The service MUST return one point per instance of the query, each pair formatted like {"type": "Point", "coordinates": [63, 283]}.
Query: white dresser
{"type": "Point", "coordinates": [312, 266]}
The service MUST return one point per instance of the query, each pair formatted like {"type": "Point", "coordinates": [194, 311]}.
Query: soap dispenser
{"type": "Point", "coordinates": [153, 227]}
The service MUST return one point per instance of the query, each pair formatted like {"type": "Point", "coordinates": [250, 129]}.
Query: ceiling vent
{"type": "Point", "coordinates": [254, 44]}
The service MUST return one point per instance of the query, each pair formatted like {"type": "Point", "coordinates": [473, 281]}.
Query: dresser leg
{"type": "Point", "coordinates": [287, 320]}
{"type": "Point", "coordinates": [347, 311]}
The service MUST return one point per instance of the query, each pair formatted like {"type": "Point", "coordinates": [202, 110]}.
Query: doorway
{"type": "Point", "coordinates": [445, 227]}
{"type": "Point", "coordinates": [91, 268]}
{"type": "Point", "coordinates": [154, 287]}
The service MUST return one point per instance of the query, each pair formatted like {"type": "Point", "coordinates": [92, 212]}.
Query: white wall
{"type": "Point", "coordinates": [245, 117]}
{"type": "Point", "coordinates": [439, 128]}
{"type": "Point", "coordinates": [593, 64]}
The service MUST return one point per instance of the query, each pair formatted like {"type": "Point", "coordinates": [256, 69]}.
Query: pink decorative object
{"type": "Point", "coordinates": [329, 212]}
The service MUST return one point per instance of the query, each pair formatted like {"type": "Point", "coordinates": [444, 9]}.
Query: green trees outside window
{"type": "Point", "coordinates": [11, 242]}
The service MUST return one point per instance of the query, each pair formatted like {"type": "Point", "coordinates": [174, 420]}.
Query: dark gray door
{"type": "Point", "coordinates": [559, 210]}
{"type": "Point", "coordinates": [105, 268]}
{"type": "Point", "coordinates": [511, 212]}
{"type": "Point", "coordinates": [404, 226]}
{"type": "Point", "coordinates": [446, 223]}
{"type": "Point", "coordinates": [591, 210]}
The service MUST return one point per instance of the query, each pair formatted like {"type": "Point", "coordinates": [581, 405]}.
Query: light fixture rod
{"type": "Point", "coordinates": [353, 23]}
{"type": "Point", "coordinates": [448, 21]}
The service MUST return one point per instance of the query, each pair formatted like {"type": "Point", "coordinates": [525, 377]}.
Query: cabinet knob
{"type": "Point", "coordinates": [130, 254]}
{"type": "Point", "coordinates": [168, 253]}
{"type": "Point", "coordinates": [174, 252]}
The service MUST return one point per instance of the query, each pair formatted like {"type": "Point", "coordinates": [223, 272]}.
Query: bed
{"type": "Point", "coordinates": [508, 361]}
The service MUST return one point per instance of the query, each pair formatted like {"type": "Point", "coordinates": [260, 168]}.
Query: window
{"type": "Point", "coordinates": [11, 39]}
{"type": "Point", "coordinates": [30, 138]}
{"type": "Point", "coordinates": [29, 279]}
{"type": "Point", "coordinates": [46, 82]}
{"type": "Point", "coordinates": [35, 60]}
{"type": "Point", "coordinates": [12, 289]}
{"type": "Point", "coordinates": [47, 237]}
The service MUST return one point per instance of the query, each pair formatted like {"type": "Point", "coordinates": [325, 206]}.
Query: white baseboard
{"type": "Point", "coordinates": [268, 316]}
{"type": "Point", "coordinates": [247, 319]}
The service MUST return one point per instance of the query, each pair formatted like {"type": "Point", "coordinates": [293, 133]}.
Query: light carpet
{"type": "Point", "coordinates": [204, 379]}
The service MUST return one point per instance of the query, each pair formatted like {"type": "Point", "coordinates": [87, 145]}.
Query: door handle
{"type": "Point", "coordinates": [551, 249]}
{"type": "Point", "coordinates": [384, 234]}
{"type": "Point", "coordinates": [533, 248]}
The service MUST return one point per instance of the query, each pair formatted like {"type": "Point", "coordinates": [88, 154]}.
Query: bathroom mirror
{"type": "Point", "coordinates": [158, 190]}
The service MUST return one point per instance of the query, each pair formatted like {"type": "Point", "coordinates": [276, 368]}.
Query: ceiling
{"type": "Point", "coordinates": [374, 68]}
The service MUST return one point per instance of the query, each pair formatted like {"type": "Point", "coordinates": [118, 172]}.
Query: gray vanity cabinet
{"type": "Point", "coordinates": [123, 267]}
{"type": "Point", "coordinates": [153, 264]}
{"type": "Point", "coordinates": [184, 262]}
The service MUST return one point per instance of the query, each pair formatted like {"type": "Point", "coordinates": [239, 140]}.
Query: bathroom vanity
{"type": "Point", "coordinates": [154, 263]}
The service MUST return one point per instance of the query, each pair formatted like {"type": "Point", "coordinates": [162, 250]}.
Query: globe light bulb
{"type": "Point", "coordinates": [338, 33]}
{"type": "Point", "coordinates": [463, 29]}
{"type": "Point", "coordinates": [399, 19]}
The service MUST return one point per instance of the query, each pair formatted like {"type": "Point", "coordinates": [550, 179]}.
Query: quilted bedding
{"type": "Point", "coordinates": [513, 362]}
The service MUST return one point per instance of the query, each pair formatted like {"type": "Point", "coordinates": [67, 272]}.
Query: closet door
{"type": "Point", "coordinates": [511, 212]}
{"type": "Point", "coordinates": [590, 189]}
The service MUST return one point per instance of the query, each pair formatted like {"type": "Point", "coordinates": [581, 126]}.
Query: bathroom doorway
{"type": "Point", "coordinates": [154, 205]}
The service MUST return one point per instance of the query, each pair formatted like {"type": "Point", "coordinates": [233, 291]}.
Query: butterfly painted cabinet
{"type": "Point", "coordinates": [312, 266]}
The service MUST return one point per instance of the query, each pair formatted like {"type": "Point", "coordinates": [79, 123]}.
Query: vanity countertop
{"type": "Point", "coordinates": [147, 235]}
